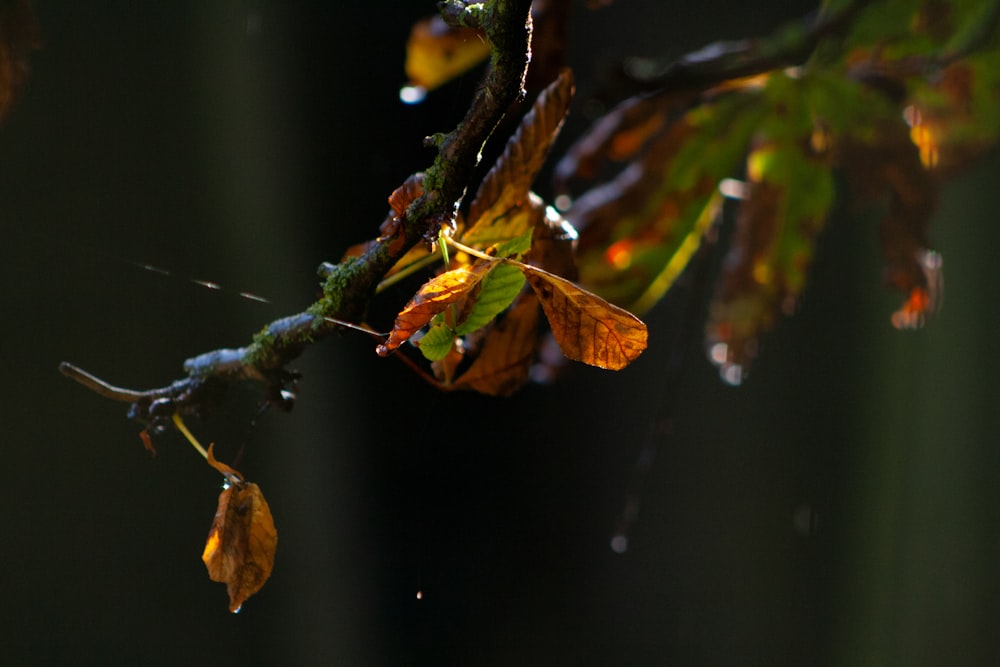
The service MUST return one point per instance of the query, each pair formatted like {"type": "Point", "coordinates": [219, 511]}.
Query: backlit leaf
{"type": "Point", "coordinates": [505, 187]}
{"type": "Point", "coordinates": [437, 342]}
{"type": "Point", "coordinates": [432, 298]}
{"type": "Point", "coordinates": [587, 328]}
{"type": "Point", "coordinates": [239, 551]}
{"type": "Point", "coordinates": [497, 290]}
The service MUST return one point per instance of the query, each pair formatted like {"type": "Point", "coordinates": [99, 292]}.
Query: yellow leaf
{"type": "Point", "coordinates": [437, 52]}
{"type": "Point", "coordinates": [240, 548]}
{"type": "Point", "coordinates": [504, 190]}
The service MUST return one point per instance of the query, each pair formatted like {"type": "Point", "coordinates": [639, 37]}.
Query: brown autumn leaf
{"type": "Point", "coordinates": [504, 362]}
{"type": "Point", "coordinates": [18, 37]}
{"type": "Point", "coordinates": [506, 187]}
{"type": "Point", "coordinates": [587, 328]}
{"type": "Point", "coordinates": [891, 163]}
{"type": "Point", "coordinates": [437, 52]}
{"type": "Point", "coordinates": [240, 548]}
{"type": "Point", "coordinates": [432, 298]}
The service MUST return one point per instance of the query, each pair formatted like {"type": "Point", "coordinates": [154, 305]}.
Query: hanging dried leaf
{"type": "Point", "coordinates": [505, 189]}
{"type": "Point", "coordinates": [240, 548]}
{"type": "Point", "coordinates": [19, 36]}
{"type": "Point", "coordinates": [437, 52]}
{"type": "Point", "coordinates": [587, 328]}
{"type": "Point", "coordinates": [432, 298]}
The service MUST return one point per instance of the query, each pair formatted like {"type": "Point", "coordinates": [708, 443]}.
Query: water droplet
{"type": "Point", "coordinates": [412, 94]}
{"type": "Point", "coordinates": [731, 374]}
{"type": "Point", "coordinates": [619, 544]}
{"type": "Point", "coordinates": [719, 353]}
{"type": "Point", "coordinates": [420, 595]}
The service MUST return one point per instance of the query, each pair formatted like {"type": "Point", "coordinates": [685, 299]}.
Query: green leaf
{"type": "Point", "coordinates": [515, 247]}
{"type": "Point", "coordinates": [497, 290]}
{"type": "Point", "coordinates": [437, 342]}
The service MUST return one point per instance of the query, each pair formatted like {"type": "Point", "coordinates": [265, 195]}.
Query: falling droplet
{"type": "Point", "coordinates": [412, 94]}
{"type": "Point", "coordinates": [420, 595]}
{"type": "Point", "coordinates": [619, 544]}
{"type": "Point", "coordinates": [731, 374]}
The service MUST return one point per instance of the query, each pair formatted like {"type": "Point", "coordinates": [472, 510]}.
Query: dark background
{"type": "Point", "coordinates": [840, 508]}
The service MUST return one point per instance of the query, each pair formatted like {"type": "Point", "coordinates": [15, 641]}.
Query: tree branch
{"type": "Point", "coordinates": [349, 286]}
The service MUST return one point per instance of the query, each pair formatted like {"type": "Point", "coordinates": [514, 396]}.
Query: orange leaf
{"type": "Point", "coordinates": [587, 328]}
{"type": "Point", "coordinates": [240, 548]}
{"type": "Point", "coordinates": [432, 298]}
{"type": "Point", "coordinates": [503, 364]}
{"type": "Point", "coordinates": [505, 188]}
{"type": "Point", "coordinates": [437, 52]}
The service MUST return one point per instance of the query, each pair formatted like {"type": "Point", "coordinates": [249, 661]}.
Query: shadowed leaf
{"type": "Point", "coordinates": [504, 362]}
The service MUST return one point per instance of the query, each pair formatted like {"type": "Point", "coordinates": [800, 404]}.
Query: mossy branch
{"type": "Point", "coordinates": [349, 286]}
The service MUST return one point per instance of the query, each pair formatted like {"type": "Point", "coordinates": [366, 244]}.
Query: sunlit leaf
{"type": "Point", "coordinates": [505, 187]}
{"type": "Point", "coordinates": [437, 342]}
{"type": "Point", "coordinates": [587, 328]}
{"type": "Point", "coordinates": [497, 290]}
{"type": "Point", "coordinates": [239, 551]}
{"type": "Point", "coordinates": [437, 52]}
{"type": "Point", "coordinates": [432, 298]}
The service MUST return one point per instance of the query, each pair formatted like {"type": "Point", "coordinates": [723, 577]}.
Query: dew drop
{"type": "Point", "coordinates": [412, 94]}
{"type": "Point", "coordinates": [732, 374]}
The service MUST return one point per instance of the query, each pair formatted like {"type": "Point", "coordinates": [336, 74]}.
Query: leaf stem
{"type": "Point", "coordinates": [179, 423]}
{"type": "Point", "coordinates": [471, 251]}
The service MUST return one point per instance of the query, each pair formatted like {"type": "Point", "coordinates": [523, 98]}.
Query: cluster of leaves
{"type": "Point", "coordinates": [895, 95]}
{"type": "Point", "coordinates": [903, 96]}
{"type": "Point", "coordinates": [508, 238]}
